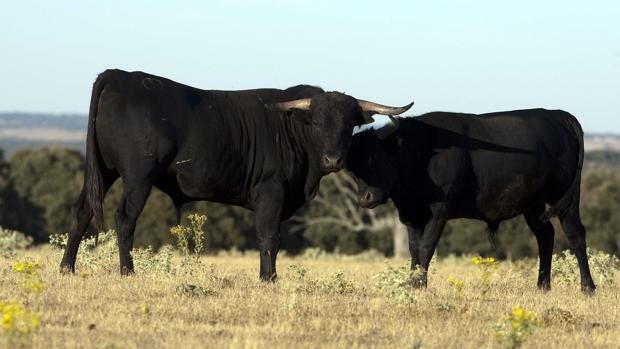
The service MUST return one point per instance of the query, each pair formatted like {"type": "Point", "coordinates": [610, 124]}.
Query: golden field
{"type": "Point", "coordinates": [322, 301]}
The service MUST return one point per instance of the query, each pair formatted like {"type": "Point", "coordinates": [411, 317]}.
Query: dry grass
{"type": "Point", "coordinates": [221, 303]}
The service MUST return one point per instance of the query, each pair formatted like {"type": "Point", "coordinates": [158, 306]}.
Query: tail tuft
{"type": "Point", "coordinates": [492, 228]}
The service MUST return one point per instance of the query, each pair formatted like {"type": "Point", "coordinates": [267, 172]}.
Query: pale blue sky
{"type": "Point", "coordinates": [468, 56]}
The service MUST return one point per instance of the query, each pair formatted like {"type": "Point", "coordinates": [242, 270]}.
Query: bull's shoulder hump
{"type": "Point", "coordinates": [439, 118]}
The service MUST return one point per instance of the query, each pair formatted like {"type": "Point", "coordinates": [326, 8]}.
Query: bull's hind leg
{"type": "Point", "coordinates": [544, 237]}
{"type": "Point", "coordinates": [576, 234]}
{"type": "Point", "coordinates": [131, 205]}
{"type": "Point", "coordinates": [83, 215]}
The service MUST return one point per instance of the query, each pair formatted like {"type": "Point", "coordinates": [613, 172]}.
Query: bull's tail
{"type": "Point", "coordinates": [492, 228]}
{"type": "Point", "coordinates": [92, 173]}
{"type": "Point", "coordinates": [560, 206]}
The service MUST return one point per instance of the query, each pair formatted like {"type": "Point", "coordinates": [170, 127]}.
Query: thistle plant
{"type": "Point", "coordinates": [29, 272]}
{"type": "Point", "coordinates": [194, 232]}
{"type": "Point", "coordinates": [486, 266]}
{"type": "Point", "coordinates": [17, 324]}
{"type": "Point", "coordinates": [456, 283]}
{"type": "Point", "coordinates": [513, 329]}
{"type": "Point", "coordinates": [197, 221]}
{"type": "Point", "coordinates": [26, 267]}
{"type": "Point", "coordinates": [298, 270]}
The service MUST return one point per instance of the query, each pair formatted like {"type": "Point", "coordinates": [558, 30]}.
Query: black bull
{"type": "Point", "coordinates": [222, 146]}
{"type": "Point", "coordinates": [489, 167]}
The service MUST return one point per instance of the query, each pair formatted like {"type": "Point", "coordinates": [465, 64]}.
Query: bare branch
{"type": "Point", "coordinates": [338, 203]}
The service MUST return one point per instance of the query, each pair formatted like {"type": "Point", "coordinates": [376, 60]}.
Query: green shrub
{"type": "Point", "coordinates": [191, 290]}
{"type": "Point", "coordinates": [11, 240]}
{"type": "Point", "coordinates": [150, 261]}
{"type": "Point", "coordinates": [602, 265]}
{"type": "Point", "coordinates": [398, 282]}
{"type": "Point", "coordinates": [559, 316]}
{"type": "Point", "coordinates": [101, 254]}
{"type": "Point", "coordinates": [316, 253]}
{"type": "Point", "coordinates": [336, 284]}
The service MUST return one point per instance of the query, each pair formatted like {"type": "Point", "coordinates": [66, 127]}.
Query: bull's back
{"type": "Point", "coordinates": [151, 126]}
{"type": "Point", "coordinates": [508, 159]}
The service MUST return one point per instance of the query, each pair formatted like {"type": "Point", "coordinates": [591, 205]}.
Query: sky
{"type": "Point", "coordinates": [462, 56]}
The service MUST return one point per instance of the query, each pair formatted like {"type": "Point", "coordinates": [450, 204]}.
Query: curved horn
{"type": "Point", "coordinates": [301, 104]}
{"type": "Point", "coordinates": [388, 129]}
{"type": "Point", "coordinates": [376, 108]}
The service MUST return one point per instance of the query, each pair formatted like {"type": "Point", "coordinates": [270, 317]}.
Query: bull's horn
{"type": "Point", "coordinates": [375, 108]}
{"type": "Point", "coordinates": [388, 128]}
{"type": "Point", "coordinates": [301, 104]}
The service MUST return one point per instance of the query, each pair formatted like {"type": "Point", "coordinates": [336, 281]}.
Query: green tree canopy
{"type": "Point", "coordinates": [47, 181]}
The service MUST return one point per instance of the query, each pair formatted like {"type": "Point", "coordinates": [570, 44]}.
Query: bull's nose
{"type": "Point", "coordinates": [332, 162]}
{"type": "Point", "coordinates": [366, 199]}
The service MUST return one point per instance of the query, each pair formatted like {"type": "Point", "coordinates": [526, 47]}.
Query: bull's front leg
{"type": "Point", "coordinates": [428, 243]}
{"type": "Point", "coordinates": [415, 234]}
{"type": "Point", "coordinates": [268, 210]}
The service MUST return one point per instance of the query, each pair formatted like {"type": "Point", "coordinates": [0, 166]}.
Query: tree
{"type": "Point", "coordinates": [47, 182]}
{"type": "Point", "coordinates": [10, 205]}
{"type": "Point", "coordinates": [600, 204]}
{"type": "Point", "coordinates": [334, 220]}
{"type": "Point", "coordinates": [227, 226]}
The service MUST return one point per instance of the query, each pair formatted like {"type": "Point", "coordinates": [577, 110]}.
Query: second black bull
{"type": "Point", "coordinates": [221, 146]}
{"type": "Point", "coordinates": [489, 167]}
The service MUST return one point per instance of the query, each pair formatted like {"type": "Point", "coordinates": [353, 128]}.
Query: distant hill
{"type": "Point", "coordinates": [29, 130]}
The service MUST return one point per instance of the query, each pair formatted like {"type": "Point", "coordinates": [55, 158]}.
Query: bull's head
{"type": "Point", "coordinates": [331, 117]}
{"type": "Point", "coordinates": [372, 162]}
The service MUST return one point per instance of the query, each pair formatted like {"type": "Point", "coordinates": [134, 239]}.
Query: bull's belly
{"type": "Point", "coordinates": [508, 199]}
{"type": "Point", "coordinates": [221, 188]}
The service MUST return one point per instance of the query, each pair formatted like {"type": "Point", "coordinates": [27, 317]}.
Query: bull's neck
{"type": "Point", "coordinates": [300, 155]}
{"type": "Point", "coordinates": [403, 156]}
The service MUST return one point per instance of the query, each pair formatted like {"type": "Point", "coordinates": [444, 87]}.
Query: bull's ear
{"type": "Point", "coordinates": [300, 115]}
{"type": "Point", "coordinates": [387, 129]}
{"type": "Point", "coordinates": [367, 117]}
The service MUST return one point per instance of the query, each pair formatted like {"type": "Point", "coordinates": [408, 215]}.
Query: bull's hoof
{"type": "Point", "coordinates": [418, 283]}
{"type": "Point", "coordinates": [544, 286]}
{"type": "Point", "coordinates": [67, 269]}
{"type": "Point", "coordinates": [126, 271]}
{"type": "Point", "coordinates": [588, 289]}
{"type": "Point", "coordinates": [269, 277]}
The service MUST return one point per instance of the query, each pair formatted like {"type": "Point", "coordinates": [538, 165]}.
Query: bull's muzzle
{"type": "Point", "coordinates": [332, 163]}
{"type": "Point", "coordinates": [368, 200]}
